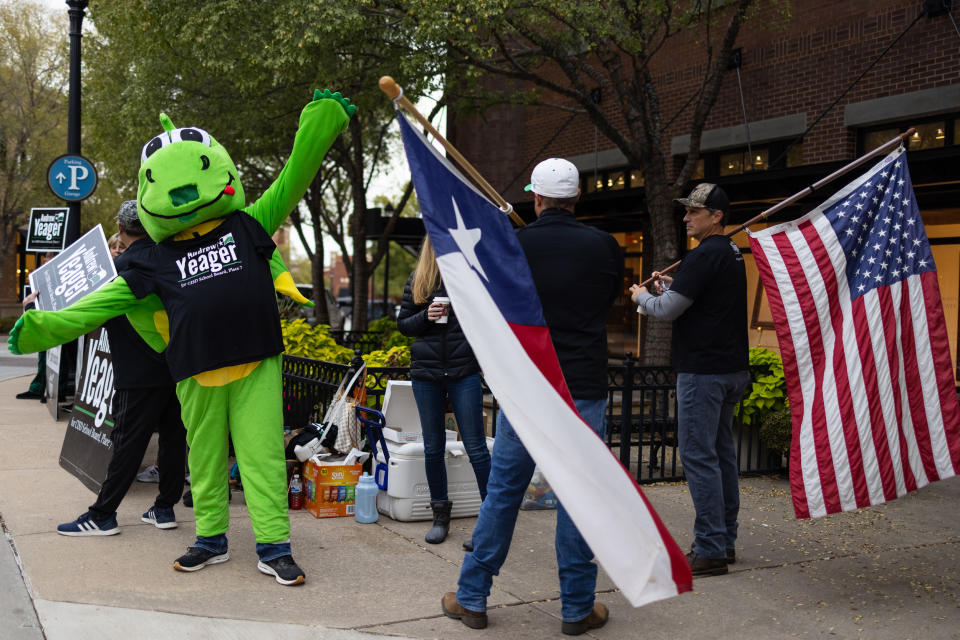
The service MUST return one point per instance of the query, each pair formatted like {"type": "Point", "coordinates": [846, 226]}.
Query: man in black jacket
{"type": "Point", "coordinates": [145, 401]}
{"type": "Point", "coordinates": [578, 273]}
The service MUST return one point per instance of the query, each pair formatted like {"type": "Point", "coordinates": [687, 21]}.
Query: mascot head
{"type": "Point", "coordinates": [186, 177]}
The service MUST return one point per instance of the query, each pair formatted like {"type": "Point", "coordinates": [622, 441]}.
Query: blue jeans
{"type": "Point", "coordinates": [705, 404]}
{"type": "Point", "coordinates": [466, 397]}
{"type": "Point", "coordinates": [511, 471]}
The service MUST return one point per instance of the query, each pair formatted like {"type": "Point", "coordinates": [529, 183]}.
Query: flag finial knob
{"type": "Point", "coordinates": [390, 87]}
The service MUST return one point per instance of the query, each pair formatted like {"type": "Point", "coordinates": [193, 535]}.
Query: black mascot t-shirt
{"type": "Point", "coordinates": [711, 335]}
{"type": "Point", "coordinates": [218, 293]}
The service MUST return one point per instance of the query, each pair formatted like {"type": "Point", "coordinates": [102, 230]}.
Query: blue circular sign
{"type": "Point", "coordinates": [72, 178]}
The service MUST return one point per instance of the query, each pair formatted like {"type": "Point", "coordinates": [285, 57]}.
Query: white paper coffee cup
{"type": "Point", "coordinates": [446, 308]}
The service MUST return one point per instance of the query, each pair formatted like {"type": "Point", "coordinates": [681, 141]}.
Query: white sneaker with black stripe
{"type": "Point", "coordinates": [85, 525]}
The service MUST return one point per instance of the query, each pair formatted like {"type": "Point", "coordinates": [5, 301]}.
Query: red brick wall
{"type": "Point", "coordinates": [801, 64]}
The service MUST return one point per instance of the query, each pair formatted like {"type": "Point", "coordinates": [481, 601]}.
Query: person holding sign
{"type": "Point", "coordinates": [145, 401]}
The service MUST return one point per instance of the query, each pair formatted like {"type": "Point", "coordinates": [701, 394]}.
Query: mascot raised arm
{"type": "Point", "coordinates": [211, 270]}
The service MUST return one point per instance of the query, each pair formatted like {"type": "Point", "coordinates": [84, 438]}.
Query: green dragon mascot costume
{"type": "Point", "coordinates": [211, 270]}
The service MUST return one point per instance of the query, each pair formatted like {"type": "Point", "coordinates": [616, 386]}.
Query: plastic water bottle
{"type": "Point", "coordinates": [296, 493]}
{"type": "Point", "coordinates": [366, 499]}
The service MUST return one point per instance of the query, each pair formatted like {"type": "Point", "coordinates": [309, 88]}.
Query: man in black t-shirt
{"type": "Point", "coordinates": [707, 302]}
{"type": "Point", "coordinates": [145, 401]}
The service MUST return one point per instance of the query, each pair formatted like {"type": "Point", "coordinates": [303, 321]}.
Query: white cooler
{"type": "Point", "coordinates": [407, 496]}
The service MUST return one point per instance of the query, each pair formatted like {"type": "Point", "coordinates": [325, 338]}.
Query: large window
{"type": "Point", "coordinates": [611, 180]}
{"type": "Point", "coordinates": [934, 133]}
{"type": "Point", "coordinates": [731, 162]}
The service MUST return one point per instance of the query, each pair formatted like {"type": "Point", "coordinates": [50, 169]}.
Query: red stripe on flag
{"type": "Point", "coordinates": [940, 347]}
{"type": "Point", "coordinates": [821, 438]}
{"type": "Point", "coordinates": [914, 388]}
{"type": "Point", "coordinates": [861, 328]}
{"type": "Point", "coordinates": [848, 418]}
{"type": "Point", "coordinates": [537, 344]}
{"type": "Point", "coordinates": [789, 357]}
{"type": "Point", "coordinates": [888, 320]}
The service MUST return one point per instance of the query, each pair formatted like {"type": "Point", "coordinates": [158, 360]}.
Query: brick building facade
{"type": "Point", "coordinates": [792, 70]}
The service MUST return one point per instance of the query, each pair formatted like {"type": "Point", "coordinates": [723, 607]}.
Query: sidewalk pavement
{"type": "Point", "coordinates": [883, 572]}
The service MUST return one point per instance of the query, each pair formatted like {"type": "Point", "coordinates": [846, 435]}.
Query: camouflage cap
{"type": "Point", "coordinates": [129, 219]}
{"type": "Point", "coordinates": [706, 196]}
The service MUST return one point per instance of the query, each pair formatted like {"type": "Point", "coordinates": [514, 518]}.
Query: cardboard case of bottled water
{"type": "Point", "coordinates": [407, 497]}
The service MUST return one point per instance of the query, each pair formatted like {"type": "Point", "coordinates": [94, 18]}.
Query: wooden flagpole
{"type": "Point", "coordinates": [395, 93]}
{"type": "Point", "coordinates": [884, 148]}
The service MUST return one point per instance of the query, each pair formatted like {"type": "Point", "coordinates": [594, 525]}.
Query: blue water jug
{"type": "Point", "coordinates": [366, 499]}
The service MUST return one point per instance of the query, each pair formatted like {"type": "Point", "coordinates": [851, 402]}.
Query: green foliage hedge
{"type": "Point", "coordinates": [768, 391]}
{"type": "Point", "coordinates": [300, 339]}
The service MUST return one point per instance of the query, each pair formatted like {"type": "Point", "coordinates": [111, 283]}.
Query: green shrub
{"type": "Point", "coordinates": [393, 357]}
{"type": "Point", "coordinates": [387, 335]}
{"type": "Point", "coordinates": [300, 339]}
{"type": "Point", "coordinates": [776, 431]}
{"type": "Point", "coordinates": [768, 391]}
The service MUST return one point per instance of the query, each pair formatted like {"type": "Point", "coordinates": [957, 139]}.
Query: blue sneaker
{"type": "Point", "coordinates": [85, 525]}
{"type": "Point", "coordinates": [160, 518]}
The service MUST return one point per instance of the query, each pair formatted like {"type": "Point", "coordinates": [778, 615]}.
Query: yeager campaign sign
{"type": "Point", "coordinates": [87, 445]}
{"type": "Point", "coordinates": [82, 267]}
{"type": "Point", "coordinates": [48, 229]}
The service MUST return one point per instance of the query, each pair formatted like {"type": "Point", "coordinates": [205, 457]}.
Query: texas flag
{"type": "Point", "coordinates": [490, 286]}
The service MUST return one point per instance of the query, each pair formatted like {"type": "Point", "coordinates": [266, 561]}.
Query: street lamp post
{"type": "Point", "coordinates": [76, 12]}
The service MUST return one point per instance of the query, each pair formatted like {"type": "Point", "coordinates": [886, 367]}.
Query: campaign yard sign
{"type": "Point", "coordinates": [87, 444]}
{"type": "Point", "coordinates": [83, 267]}
{"type": "Point", "coordinates": [48, 229]}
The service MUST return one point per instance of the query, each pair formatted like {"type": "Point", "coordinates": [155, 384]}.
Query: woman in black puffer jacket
{"type": "Point", "coordinates": [442, 367]}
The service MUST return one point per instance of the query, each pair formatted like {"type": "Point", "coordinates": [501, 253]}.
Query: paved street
{"type": "Point", "coordinates": [884, 572]}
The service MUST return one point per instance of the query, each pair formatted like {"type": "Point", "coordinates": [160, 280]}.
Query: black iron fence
{"type": "Point", "coordinates": [359, 341]}
{"type": "Point", "coordinates": [641, 413]}
{"type": "Point", "coordinates": [644, 399]}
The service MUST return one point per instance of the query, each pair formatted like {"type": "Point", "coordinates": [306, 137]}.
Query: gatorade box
{"type": "Point", "coordinates": [329, 490]}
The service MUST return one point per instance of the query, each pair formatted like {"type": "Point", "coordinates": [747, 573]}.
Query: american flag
{"type": "Point", "coordinates": [853, 291]}
{"type": "Point", "coordinates": [491, 288]}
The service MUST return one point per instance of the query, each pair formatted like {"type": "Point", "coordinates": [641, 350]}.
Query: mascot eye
{"type": "Point", "coordinates": [152, 147]}
{"type": "Point", "coordinates": [190, 134]}
{"type": "Point", "coordinates": [206, 163]}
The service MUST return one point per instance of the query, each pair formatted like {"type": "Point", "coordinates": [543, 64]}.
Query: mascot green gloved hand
{"type": "Point", "coordinates": [211, 269]}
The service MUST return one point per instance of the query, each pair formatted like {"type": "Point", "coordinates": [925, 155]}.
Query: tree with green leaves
{"type": "Point", "coordinates": [243, 70]}
{"type": "Point", "coordinates": [555, 52]}
{"type": "Point", "coordinates": [33, 114]}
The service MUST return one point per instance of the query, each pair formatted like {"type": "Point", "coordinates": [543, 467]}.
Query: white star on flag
{"type": "Point", "coordinates": [467, 240]}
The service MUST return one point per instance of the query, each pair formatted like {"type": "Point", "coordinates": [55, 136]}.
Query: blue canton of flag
{"type": "Point", "coordinates": [879, 228]}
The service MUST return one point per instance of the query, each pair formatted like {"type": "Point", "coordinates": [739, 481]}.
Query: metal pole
{"type": "Point", "coordinates": [882, 149]}
{"type": "Point", "coordinates": [76, 12]}
{"type": "Point", "coordinates": [386, 282]}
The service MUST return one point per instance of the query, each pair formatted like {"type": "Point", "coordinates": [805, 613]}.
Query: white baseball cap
{"type": "Point", "coordinates": [555, 178]}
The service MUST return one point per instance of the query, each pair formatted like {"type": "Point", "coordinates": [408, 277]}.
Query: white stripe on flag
{"type": "Point", "coordinates": [593, 486]}
{"type": "Point", "coordinates": [928, 380]}
{"type": "Point", "coordinates": [798, 332]}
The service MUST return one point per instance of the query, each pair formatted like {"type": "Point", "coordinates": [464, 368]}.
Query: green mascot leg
{"type": "Point", "coordinates": [250, 410]}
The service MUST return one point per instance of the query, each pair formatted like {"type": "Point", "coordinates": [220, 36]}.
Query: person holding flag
{"type": "Point", "coordinates": [707, 302]}
{"type": "Point", "coordinates": [577, 271]}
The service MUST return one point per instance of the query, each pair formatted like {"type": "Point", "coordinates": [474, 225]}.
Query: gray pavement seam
{"type": "Point", "coordinates": [21, 574]}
